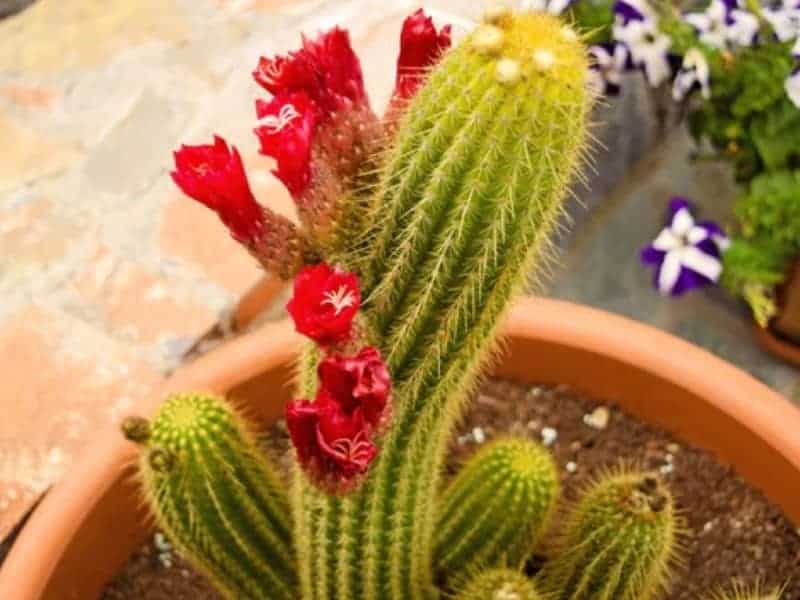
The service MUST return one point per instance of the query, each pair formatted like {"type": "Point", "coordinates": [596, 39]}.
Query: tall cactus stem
{"type": "Point", "coordinates": [465, 200]}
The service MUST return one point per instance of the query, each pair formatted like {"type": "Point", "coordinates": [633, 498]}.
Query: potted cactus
{"type": "Point", "coordinates": [410, 250]}
{"type": "Point", "coordinates": [417, 232]}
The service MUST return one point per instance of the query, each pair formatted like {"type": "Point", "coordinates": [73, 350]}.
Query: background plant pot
{"type": "Point", "coordinates": [782, 336]}
{"type": "Point", "coordinates": [89, 524]}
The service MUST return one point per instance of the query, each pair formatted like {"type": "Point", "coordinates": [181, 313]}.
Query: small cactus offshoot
{"type": "Point", "coordinates": [739, 591]}
{"type": "Point", "coordinates": [619, 542]}
{"type": "Point", "coordinates": [216, 496]}
{"type": "Point", "coordinates": [499, 584]}
{"type": "Point", "coordinates": [497, 507]}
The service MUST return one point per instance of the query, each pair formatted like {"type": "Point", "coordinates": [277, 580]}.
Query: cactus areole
{"type": "Point", "coordinates": [416, 230]}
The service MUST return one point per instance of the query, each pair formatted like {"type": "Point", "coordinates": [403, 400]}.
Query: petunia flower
{"type": "Point", "coordinates": [626, 11]}
{"type": "Point", "coordinates": [793, 87]}
{"type": "Point", "coordinates": [686, 254]}
{"type": "Point", "coordinates": [784, 19]}
{"type": "Point", "coordinates": [554, 7]}
{"type": "Point", "coordinates": [213, 174]}
{"type": "Point", "coordinates": [608, 62]}
{"type": "Point", "coordinates": [694, 73]}
{"type": "Point", "coordinates": [324, 303]}
{"type": "Point", "coordinates": [723, 24]}
{"type": "Point", "coordinates": [648, 47]}
{"type": "Point", "coordinates": [332, 445]}
{"type": "Point", "coordinates": [421, 46]}
{"type": "Point", "coordinates": [358, 382]}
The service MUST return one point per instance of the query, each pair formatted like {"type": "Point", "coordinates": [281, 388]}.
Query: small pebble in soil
{"type": "Point", "coordinates": [478, 435]}
{"type": "Point", "coordinates": [571, 467]}
{"type": "Point", "coordinates": [598, 418]}
{"type": "Point", "coordinates": [549, 436]}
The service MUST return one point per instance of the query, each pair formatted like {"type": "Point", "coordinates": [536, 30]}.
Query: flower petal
{"type": "Point", "coordinates": [669, 272]}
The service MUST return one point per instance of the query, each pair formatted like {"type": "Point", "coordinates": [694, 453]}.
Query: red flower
{"type": "Point", "coordinates": [324, 303]}
{"type": "Point", "coordinates": [325, 68]}
{"type": "Point", "coordinates": [332, 445]}
{"type": "Point", "coordinates": [214, 175]}
{"type": "Point", "coordinates": [358, 382]}
{"type": "Point", "coordinates": [420, 47]}
{"type": "Point", "coordinates": [289, 121]}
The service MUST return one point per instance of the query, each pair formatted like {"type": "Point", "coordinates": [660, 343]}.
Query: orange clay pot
{"type": "Point", "coordinates": [89, 524]}
{"type": "Point", "coordinates": [782, 337]}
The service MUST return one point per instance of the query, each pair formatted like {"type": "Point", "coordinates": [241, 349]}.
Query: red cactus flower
{"type": "Point", "coordinates": [325, 68]}
{"type": "Point", "coordinates": [287, 129]}
{"type": "Point", "coordinates": [332, 445]}
{"type": "Point", "coordinates": [358, 382]}
{"type": "Point", "coordinates": [213, 174]}
{"type": "Point", "coordinates": [324, 303]}
{"type": "Point", "coordinates": [420, 47]}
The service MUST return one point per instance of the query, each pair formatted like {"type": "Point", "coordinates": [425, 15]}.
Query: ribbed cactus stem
{"type": "Point", "coordinates": [499, 584]}
{"type": "Point", "coordinates": [466, 198]}
{"type": "Point", "coordinates": [619, 542]}
{"type": "Point", "coordinates": [497, 507]}
{"type": "Point", "coordinates": [216, 497]}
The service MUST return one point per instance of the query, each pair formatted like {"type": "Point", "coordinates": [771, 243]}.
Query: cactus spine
{"type": "Point", "coordinates": [464, 203]}
{"type": "Point", "coordinates": [497, 507]}
{"type": "Point", "coordinates": [499, 584]}
{"type": "Point", "coordinates": [618, 544]}
{"type": "Point", "coordinates": [217, 497]}
{"type": "Point", "coordinates": [740, 592]}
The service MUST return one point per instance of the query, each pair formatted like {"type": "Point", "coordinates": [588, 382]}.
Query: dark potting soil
{"type": "Point", "coordinates": [732, 530]}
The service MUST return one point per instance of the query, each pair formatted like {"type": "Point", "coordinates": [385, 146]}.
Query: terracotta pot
{"type": "Point", "coordinates": [782, 336]}
{"type": "Point", "coordinates": [89, 524]}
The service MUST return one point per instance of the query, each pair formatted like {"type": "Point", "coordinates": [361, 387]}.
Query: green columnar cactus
{"type": "Point", "coordinates": [618, 544]}
{"type": "Point", "coordinates": [216, 496]}
{"type": "Point", "coordinates": [499, 584]}
{"type": "Point", "coordinates": [497, 507]}
{"type": "Point", "coordinates": [468, 193]}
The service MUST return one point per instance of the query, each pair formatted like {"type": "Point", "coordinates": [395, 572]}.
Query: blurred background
{"type": "Point", "coordinates": [108, 275]}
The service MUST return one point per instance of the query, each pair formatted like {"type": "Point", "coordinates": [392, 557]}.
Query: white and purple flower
{"type": "Point", "coordinates": [554, 7]}
{"type": "Point", "coordinates": [793, 87]}
{"type": "Point", "coordinates": [784, 18]}
{"type": "Point", "coordinates": [693, 74]}
{"type": "Point", "coordinates": [723, 25]}
{"type": "Point", "coordinates": [608, 62]}
{"type": "Point", "coordinates": [648, 47]}
{"type": "Point", "coordinates": [686, 254]}
{"type": "Point", "coordinates": [626, 11]}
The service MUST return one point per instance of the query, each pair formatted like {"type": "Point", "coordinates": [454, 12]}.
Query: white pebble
{"type": "Point", "coordinates": [478, 435]}
{"type": "Point", "coordinates": [549, 436]}
{"type": "Point", "coordinates": [571, 467]}
{"type": "Point", "coordinates": [598, 418]}
{"type": "Point", "coordinates": [667, 468]}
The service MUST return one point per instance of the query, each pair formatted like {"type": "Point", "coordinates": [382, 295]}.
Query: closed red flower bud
{"type": "Point", "coordinates": [324, 303]}
{"type": "Point", "coordinates": [358, 382]}
{"type": "Point", "coordinates": [420, 47]}
{"type": "Point", "coordinates": [286, 133]}
{"type": "Point", "coordinates": [213, 174]}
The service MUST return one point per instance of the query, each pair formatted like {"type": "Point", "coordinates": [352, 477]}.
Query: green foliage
{"type": "Point", "coordinates": [776, 135]}
{"type": "Point", "coordinates": [466, 197]}
{"type": "Point", "coordinates": [497, 507]}
{"type": "Point", "coordinates": [618, 543]}
{"type": "Point", "coordinates": [216, 496]}
{"type": "Point", "coordinates": [594, 17]}
{"type": "Point", "coordinates": [771, 210]}
{"type": "Point", "coordinates": [499, 584]}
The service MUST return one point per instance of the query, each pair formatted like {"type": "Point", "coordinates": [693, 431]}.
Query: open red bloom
{"type": "Point", "coordinates": [325, 68]}
{"type": "Point", "coordinates": [332, 445]}
{"type": "Point", "coordinates": [420, 47]}
{"type": "Point", "coordinates": [287, 128]}
{"type": "Point", "coordinates": [357, 382]}
{"type": "Point", "coordinates": [213, 174]}
{"type": "Point", "coordinates": [324, 303]}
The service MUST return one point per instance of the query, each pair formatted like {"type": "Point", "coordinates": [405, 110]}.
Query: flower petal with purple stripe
{"type": "Point", "coordinates": [686, 254]}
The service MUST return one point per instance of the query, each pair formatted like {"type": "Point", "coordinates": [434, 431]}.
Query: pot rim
{"type": "Point", "coordinates": [560, 330]}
